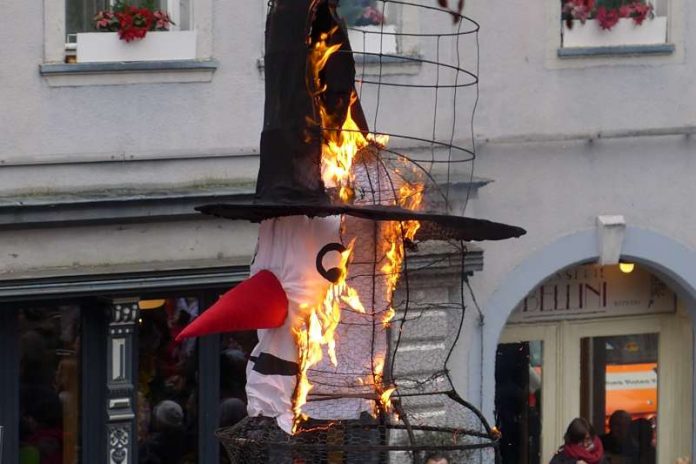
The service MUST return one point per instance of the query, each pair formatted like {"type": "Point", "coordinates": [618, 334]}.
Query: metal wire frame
{"type": "Point", "coordinates": [377, 440]}
{"type": "Point", "coordinates": [461, 78]}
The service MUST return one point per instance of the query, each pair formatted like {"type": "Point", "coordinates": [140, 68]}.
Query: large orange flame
{"type": "Point", "coordinates": [316, 331]}
{"type": "Point", "coordinates": [342, 140]}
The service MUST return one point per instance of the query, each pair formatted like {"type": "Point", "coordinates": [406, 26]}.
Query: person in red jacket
{"type": "Point", "coordinates": [582, 445]}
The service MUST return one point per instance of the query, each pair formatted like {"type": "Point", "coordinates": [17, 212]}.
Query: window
{"type": "Point", "coordinates": [79, 14]}
{"type": "Point", "coordinates": [86, 44]}
{"type": "Point", "coordinates": [611, 23]}
{"type": "Point", "coordinates": [371, 26]}
{"type": "Point", "coordinates": [189, 44]}
{"type": "Point", "coordinates": [619, 394]}
{"type": "Point", "coordinates": [66, 356]}
{"type": "Point", "coordinates": [49, 383]}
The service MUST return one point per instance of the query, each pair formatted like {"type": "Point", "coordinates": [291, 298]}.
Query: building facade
{"type": "Point", "coordinates": [103, 258]}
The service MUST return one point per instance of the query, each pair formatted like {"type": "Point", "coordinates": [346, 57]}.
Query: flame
{"type": "Point", "coordinates": [353, 300]}
{"type": "Point", "coordinates": [410, 197]}
{"type": "Point", "coordinates": [319, 55]}
{"type": "Point", "coordinates": [317, 328]}
{"type": "Point", "coordinates": [342, 139]}
{"type": "Point", "coordinates": [388, 316]}
{"type": "Point", "coordinates": [383, 402]}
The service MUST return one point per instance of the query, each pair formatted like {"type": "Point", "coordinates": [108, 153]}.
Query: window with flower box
{"type": "Point", "coordinates": [613, 23]}
{"type": "Point", "coordinates": [128, 30]}
{"type": "Point", "coordinates": [191, 35]}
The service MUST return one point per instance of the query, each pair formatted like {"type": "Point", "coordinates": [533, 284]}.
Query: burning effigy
{"type": "Point", "coordinates": [338, 212]}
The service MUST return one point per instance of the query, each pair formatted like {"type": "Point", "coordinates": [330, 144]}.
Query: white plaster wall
{"type": "Point", "coordinates": [39, 121]}
{"type": "Point", "coordinates": [557, 189]}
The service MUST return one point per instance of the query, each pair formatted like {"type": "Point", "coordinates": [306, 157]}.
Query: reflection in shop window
{"type": "Point", "coordinates": [235, 349]}
{"type": "Point", "coordinates": [167, 383]}
{"type": "Point", "coordinates": [518, 377]}
{"type": "Point", "coordinates": [619, 394]}
{"type": "Point", "coordinates": [49, 385]}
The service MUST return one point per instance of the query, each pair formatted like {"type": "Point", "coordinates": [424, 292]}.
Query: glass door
{"type": "Point", "coordinates": [619, 394]}
{"type": "Point", "coordinates": [525, 394]}
{"type": "Point", "coordinates": [631, 378]}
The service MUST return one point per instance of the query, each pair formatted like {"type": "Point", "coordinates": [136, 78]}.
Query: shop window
{"type": "Point", "coordinates": [518, 401]}
{"type": "Point", "coordinates": [610, 23]}
{"type": "Point", "coordinates": [49, 342]}
{"type": "Point", "coordinates": [619, 394]}
{"type": "Point", "coordinates": [168, 382]}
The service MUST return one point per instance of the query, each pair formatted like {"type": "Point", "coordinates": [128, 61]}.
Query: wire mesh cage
{"type": "Point", "coordinates": [385, 92]}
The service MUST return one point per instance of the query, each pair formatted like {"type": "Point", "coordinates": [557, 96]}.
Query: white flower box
{"type": "Point", "coordinates": [100, 47]}
{"type": "Point", "coordinates": [373, 39]}
{"type": "Point", "coordinates": [625, 32]}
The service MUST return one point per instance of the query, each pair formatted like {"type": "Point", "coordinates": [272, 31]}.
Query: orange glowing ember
{"type": "Point", "coordinates": [383, 402]}
{"type": "Point", "coordinates": [388, 316]}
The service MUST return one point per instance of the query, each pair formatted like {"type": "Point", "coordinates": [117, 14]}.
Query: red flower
{"type": "Point", "coordinates": [625, 11]}
{"type": "Point", "coordinates": [131, 22]}
{"type": "Point", "coordinates": [134, 23]}
{"type": "Point", "coordinates": [578, 9]}
{"type": "Point", "coordinates": [641, 11]}
{"type": "Point", "coordinates": [162, 20]}
{"type": "Point", "coordinates": [372, 15]}
{"type": "Point", "coordinates": [105, 21]}
{"type": "Point", "coordinates": [607, 18]}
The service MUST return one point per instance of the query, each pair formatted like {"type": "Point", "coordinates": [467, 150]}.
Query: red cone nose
{"type": "Point", "coordinates": [257, 303]}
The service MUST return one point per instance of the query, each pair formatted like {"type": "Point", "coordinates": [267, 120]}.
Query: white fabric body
{"type": "Point", "coordinates": [287, 247]}
{"type": "Point", "coordinates": [360, 338]}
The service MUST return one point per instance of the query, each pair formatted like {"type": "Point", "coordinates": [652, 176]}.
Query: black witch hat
{"type": "Point", "coordinates": [289, 181]}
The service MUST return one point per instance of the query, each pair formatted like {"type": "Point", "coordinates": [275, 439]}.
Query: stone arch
{"type": "Point", "coordinates": [673, 261]}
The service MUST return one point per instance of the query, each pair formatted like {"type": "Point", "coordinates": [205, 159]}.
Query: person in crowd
{"type": "Point", "coordinates": [643, 436]}
{"type": "Point", "coordinates": [232, 410]}
{"type": "Point", "coordinates": [167, 445]}
{"type": "Point", "coordinates": [436, 458]}
{"type": "Point", "coordinates": [582, 445]}
{"type": "Point", "coordinates": [619, 445]}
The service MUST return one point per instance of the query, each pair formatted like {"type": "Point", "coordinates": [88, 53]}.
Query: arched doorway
{"type": "Point", "coordinates": [596, 342]}
{"type": "Point", "coordinates": [563, 339]}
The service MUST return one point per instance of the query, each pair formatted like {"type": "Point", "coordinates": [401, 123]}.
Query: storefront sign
{"type": "Point", "coordinates": [595, 291]}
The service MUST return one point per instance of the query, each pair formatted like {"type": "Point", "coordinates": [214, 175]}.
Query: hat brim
{"type": "Point", "coordinates": [434, 226]}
